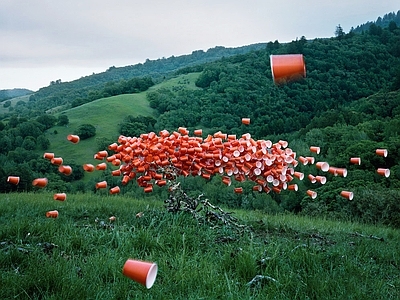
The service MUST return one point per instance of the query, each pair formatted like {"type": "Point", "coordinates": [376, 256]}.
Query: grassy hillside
{"type": "Point", "coordinates": [106, 114]}
{"type": "Point", "coordinates": [80, 254]}
{"type": "Point", "coordinates": [13, 102]}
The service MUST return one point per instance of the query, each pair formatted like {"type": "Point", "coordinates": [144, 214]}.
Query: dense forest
{"type": "Point", "coordinates": [349, 105]}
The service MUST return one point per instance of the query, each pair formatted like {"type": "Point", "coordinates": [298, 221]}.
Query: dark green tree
{"type": "Point", "coordinates": [62, 120]}
{"type": "Point", "coordinates": [85, 131]}
{"type": "Point", "coordinates": [339, 32]}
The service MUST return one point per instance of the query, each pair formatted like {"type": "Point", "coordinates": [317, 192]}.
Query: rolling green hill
{"type": "Point", "coordinates": [106, 114]}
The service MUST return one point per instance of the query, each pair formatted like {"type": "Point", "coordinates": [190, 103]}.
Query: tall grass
{"type": "Point", "coordinates": [80, 254]}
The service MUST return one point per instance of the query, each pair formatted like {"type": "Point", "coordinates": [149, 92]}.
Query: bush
{"type": "Point", "coordinates": [85, 131]}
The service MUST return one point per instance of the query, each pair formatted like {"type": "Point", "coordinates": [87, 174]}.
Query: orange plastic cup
{"type": "Point", "coordinates": [52, 214]}
{"type": "Point", "coordinates": [347, 195]}
{"type": "Point", "coordinates": [310, 159]}
{"type": "Point", "coordinates": [312, 194]}
{"type": "Point", "coordinates": [238, 190]}
{"type": "Point", "coordinates": [48, 155]}
{"type": "Point", "coordinates": [298, 175]}
{"type": "Point", "coordinates": [381, 152]}
{"type": "Point", "coordinates": [312, 178]}
{"type": "Point", "coordinates": [341, 172]}
{"type": "Point", "coordinates": [355, 160]}
{"type": "Point", "coordinates": [148, 189]}
{"type": "Point", "coordinates": [287, 67]}
{"type": "Point", "coordinates": [40, 182]}
{"type": "Point", "coordinates": [57, 160]}
{"type": "Point", "coordinates": [101, 185]}
{"type": "Point", "coordinates": [323, 166]}
{"type": "Point", "coordinates": [142, 272]}
{"type": "Point", "coordinates": [73, 138]}
{"type": "Point", "coordinates": [383, 172]}
{"type": "Point", "coordinates": [101, 166]}
{"type": "Point", "coordinates": [88, 167]}
{"type": "Point", "coordinates": [246, 121]}
{"type": "Point", "coordinates": [321, 179]}
{"type": "Point", "coordinates": [303, 160]}
{"type": "Point", "coordinates": [66, 170]}
{"type": "Point", "coordinates": [13, 179]}
{"type": "Point", "coordinates": [60, 196]}
{"type": "Point", "coordinates": [315, 149]}
{"type": "Point", "coordinates": [198, 132]}
{"type": "Point", "coordinates": [115, 190]}
{"type": "Point", "coordinates": [293, 187]}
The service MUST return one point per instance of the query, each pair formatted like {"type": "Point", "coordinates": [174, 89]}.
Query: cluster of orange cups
{"type": "Point", "coordinates": [269, 165]}
{"type": "Point", "coordinates": [324, 167]}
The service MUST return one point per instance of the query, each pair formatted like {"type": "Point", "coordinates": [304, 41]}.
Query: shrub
{"type": "Point", "coordinates": [85, 131]}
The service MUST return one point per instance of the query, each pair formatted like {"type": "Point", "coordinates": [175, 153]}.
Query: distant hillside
{"type": "Point", "coordinates": [382, 22]}
{"type": "Point", "coordinates": [8, 94]}
{"type": "Point", "coordinates": [62, 93]}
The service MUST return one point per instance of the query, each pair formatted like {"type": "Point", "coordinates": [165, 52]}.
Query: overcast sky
{"type": "Point", "coordinates": [45, 40]}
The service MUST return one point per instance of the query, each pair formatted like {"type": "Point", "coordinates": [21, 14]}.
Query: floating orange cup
{"type": "Point", "coordinates": [73, 138]}
{"type": "Point", "coordinates": [66, 170]}
{"type": "Point", "coordinates": [88, 167]}
{"type": "Point", "coordinates": [142, 272]}
{"type": "Point", "coordinates": [292, 187]}
{"type": "Point", "coordinates": [315, 149]}
{"type": "Point", "coordinates": [13, 179]}
{"type": "Point", "coordinates": [52, 214]}
{"type": "Point", "coordinates": [48, 155]}
{"type": "Point", "coordinates": [383, 172]}
{"type": "Point", "coordinates": [355, 160]}
{"type": "Point", "coordinates": [148, 189]}
{"type": "Point", "coordinates": [323, 166]}
{"type": "Point", "coordinates": [340, 172]}
{"type": "Point", "coordinates": [60, 196]}
{"type": "Point", "coordinates": [298, 175]}
{"type": "Point", "coordinates": [40, 182]}
{"type": "Point", "coordinates": [346, 194]}
{"type": "Point", "coordinates": [310, 159]}
{"type": "Point", "coordinates": [320, 179]}
{"type": "Point", "coordinates": [303, 160]}
{"type": "Point", "coordinates": [238, 190]}
{"type": "Point", "coordinates": [198, 132]}
{"type": "Point", "coordinates": [246, 121]}
{"type": "Point", "coordinates": [101, 166]}
{"type": "Point", "coordinates": [101, 185]}
{"type": "Point", "coordinates": [381, 152]}
{"type": "Point", "coordinates": [287, 67]}
{"type": "Point", "coordinates": [115, 190]}
{"type": "Point", "coordinates": [312, 194]}
{"type": "Point", "coordinates": [57, 160]}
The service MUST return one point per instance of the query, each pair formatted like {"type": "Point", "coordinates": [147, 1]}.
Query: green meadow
{"type": "Point", "coordinates": [106, 114]}
{"type": "Point", "coordinates": [80, 254]}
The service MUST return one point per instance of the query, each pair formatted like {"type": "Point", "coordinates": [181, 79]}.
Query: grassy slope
{"type": "Point", "coordinates": [308, 258]}
{"type": "Point", "coordinates": [105, 114]}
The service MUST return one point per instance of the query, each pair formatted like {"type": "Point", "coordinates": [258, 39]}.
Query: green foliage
{"type": "Point", "coordinates": [135, 126]}
{"type": "Point", "coordinates": [62, 120]}
{"type": "Point", "coordinates": [47, 120]}
{"type": "Point", "coordinates": [85, 131]}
